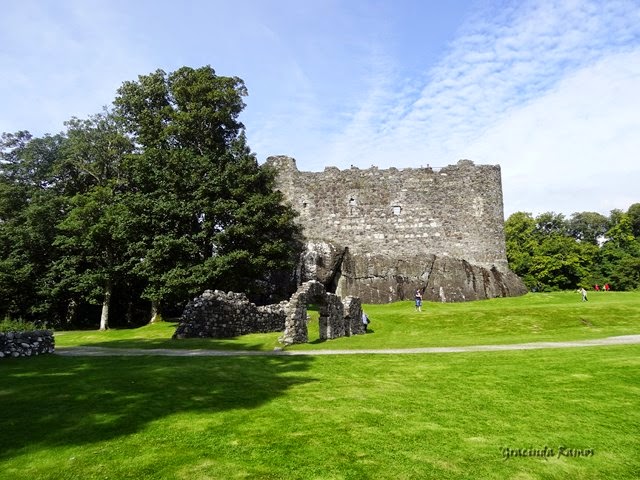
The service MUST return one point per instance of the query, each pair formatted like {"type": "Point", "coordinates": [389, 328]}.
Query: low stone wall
{"type": "Point", "coordinates": [353, 317]}
{"type": "Point", "coordinates": [216, 314]}
{"type": "Point", "coordinates": [337, 319]}
{"type": "Point", "coordinates": [26, 344]}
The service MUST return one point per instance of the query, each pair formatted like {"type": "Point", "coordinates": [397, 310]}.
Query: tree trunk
{"type": "Point", "coordinates": [129, 315]}
{"type": "Point", "coordinates": [70, 317]}
{"type": "Point", "coordinates": [155, 311]}
{"type": "Point", "coordinates": [104, 317]}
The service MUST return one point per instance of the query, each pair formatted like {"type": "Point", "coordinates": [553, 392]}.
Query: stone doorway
{"type": "Point", "coordinates": [337, 318]}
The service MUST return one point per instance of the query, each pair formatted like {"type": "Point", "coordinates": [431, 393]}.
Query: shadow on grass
{"type": "Point", "coordinates": [235, 343]}
{"type": "Point", "coordinates": [52, 401]}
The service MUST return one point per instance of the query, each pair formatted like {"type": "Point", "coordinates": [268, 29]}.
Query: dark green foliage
{"type": "Point", "coordinates": [30, 207]}
{"type": "Point", "coordinates": [8, 325]}
{"type": "Point", "coordinates": [207, 214]}
{"type": "Point", "coordinates": [634, 218]}
{"type": "Point", "coordinates": [155, 201]}
{"type": "Point", "coordinates": [551, 253]}
{"type": "Point", "coordinates": [588, 226]}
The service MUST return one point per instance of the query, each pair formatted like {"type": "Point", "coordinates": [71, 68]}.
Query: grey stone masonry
{"type": "Point", "coordinates": [217, 314]}
{"type": "Point", "coordinates": [381, 234]}
{"type": "Point", "coordinates": [224, 315]}
{"type": "Point", "coordinates": [26, 344]}
{"type": "Point", "coordinates": [353, 317]}
{"type": "Point", "coordinates": [456, 211]}
{"type": "Point", "coordinates": [336, 318]}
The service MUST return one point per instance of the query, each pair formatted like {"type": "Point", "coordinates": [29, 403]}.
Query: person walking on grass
{"type": "Point", "coordinates": [418, 300]}
{"type": "Point", "coordinates": [365, 321]}
{"type": "Point", "coordinates": [584, 294]}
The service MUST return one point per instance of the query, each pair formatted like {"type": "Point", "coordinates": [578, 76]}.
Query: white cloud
{"type": "Point", "coordinates": [537, 86]}
{"type": "Point", "coordinates": [572, 149]}
{"type": "Point", "coordinates": [546, 89]}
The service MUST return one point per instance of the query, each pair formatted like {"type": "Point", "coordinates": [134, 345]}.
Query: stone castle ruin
{"type": "Point", "coordinates": [375, 236]}
{"type": "Point", "coordinates": [218, 314]}
{"type": "Point", "coordinates": [381, 234]}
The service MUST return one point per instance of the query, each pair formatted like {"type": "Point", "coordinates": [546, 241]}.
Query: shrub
{"type": "Point", "coordinates": [8, 325]}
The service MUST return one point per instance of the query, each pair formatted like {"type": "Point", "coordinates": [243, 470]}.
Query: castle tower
{"type": "Point", "coordinates": [382, 234]}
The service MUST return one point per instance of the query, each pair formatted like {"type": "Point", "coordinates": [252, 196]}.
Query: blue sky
{"type": "Point", "coordinates": [549, 90]}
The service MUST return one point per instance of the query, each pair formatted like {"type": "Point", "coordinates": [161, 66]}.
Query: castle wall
{"type": "Point", "coordinates": [455, 211]}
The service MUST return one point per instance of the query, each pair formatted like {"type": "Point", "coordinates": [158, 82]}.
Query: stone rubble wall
{"type": "Point", "coordinates": [331, 321]}
{"type": "Point", "coordinates": [353, 317]}
{"type": "Point", "coordinates": [216, 314]}
{"type": "Point", "coordinates": [337, 318]}
{"type": "Point", "coordinates": [26, 344]}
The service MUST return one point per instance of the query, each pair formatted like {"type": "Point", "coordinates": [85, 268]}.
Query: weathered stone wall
{"type": "Point", "coordinates": [353, 317]}
{"type": "Point", "coordinates": [380, 234]}
{"type": "Point", "coordinates": [26, 344]}
{"type": "Point", "coordinates": [337, 319]}
{"type": "Point", "coordinates": [217, 314]}
{"type": "Point", "coordinates": [456, 211]}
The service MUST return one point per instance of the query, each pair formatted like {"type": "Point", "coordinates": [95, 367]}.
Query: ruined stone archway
{"type": "Point", "coordinates": [337, 319]}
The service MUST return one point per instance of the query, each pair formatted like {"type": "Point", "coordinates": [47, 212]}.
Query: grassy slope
{"type": "Point", "coordinates": [339, 417]}
{"type": "Point", "coordinates": [534, 317]}
{"type": "Point", "coordinates": [326, 417]}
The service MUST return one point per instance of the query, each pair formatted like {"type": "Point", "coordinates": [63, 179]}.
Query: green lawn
{"type": "Point", "coordinates": [326, 417]}
{"type": "Point", "coordinates": [531, 318]}
{"type": "Point", "coordinates": [440, 416]}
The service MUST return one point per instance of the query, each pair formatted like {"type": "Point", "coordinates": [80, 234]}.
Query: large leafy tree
{"type": "Point", "coordinates": [93, 237]}
{"type": "Point", "coordinates": [29, 206]}
{"type": "Point", "coordinates": [521, 243]}
{"type": "Point", "coordinates": [588, 227]}
{"type": "Point", "coordinates": [550, 252]}
{"type": "Point", "coordinates": [619, 259]}
{"type": "Point", "coordinates": [634, 217]}
{"type": "Point", "coordinates": [205, 213]}
{"type": "Point", "coordinates": [93, 240]}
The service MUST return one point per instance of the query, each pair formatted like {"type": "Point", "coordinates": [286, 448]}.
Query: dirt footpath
{"type": "Point", "coordinates": [110, 352]}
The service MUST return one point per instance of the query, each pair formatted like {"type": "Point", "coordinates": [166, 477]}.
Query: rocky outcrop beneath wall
{"type": "Point", "coordinates": [321, 261]}
{"type": "Point", "coordinates": [216, 314]}
{"type": "Point", "coordinates": [26, 344]}
{"type": "Point", "coordinates": [386, 278]}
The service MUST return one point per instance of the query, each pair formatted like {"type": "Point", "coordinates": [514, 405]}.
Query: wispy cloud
{"type": "Point", "coordinates": [503, 61]}
{"type": "Point", "coordinates": [537, 86]}
{"type": "Point", "coordinates": [546, 89]}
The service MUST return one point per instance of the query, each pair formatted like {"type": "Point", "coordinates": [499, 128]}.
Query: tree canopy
{"type": "Point", "coordinates": [550, 252]}
{"type": "Point", "coordinates": [151, 201]}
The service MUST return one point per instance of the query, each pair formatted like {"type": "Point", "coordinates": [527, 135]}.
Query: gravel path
{"type": "Point", "coordinates": [110, 352]}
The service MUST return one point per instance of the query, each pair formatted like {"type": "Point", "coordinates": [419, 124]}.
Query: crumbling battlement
{"type": "Point", "coordinates": [456, 211]}
{"type": "Point", "coordinates": [382, 234]}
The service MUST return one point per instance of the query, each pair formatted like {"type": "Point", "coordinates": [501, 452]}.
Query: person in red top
{"type": "Point", "coordinates": [597, 287]}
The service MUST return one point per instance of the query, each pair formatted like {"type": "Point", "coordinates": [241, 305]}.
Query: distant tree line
{"type": "Point", "coordinates": [140, 207]}
{"type": "Point", "coordinates": [551, 252]}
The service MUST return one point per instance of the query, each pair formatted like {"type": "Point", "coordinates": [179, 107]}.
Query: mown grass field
{"type": "Point", "coordinates": [531, 318]}
{"type": "Point", "coordinates": [440, 416]}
